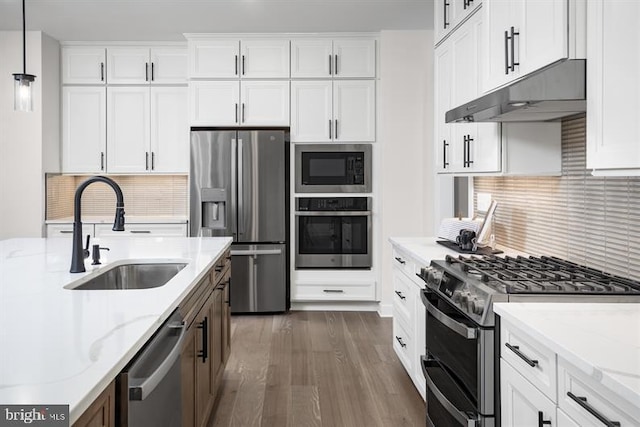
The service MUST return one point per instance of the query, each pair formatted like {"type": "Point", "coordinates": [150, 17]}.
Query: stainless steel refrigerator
{"type": "Point", "coordinates": [239, 187]}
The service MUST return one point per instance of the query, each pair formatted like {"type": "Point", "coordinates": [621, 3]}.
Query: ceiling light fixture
{"type": "Point", "coordinates": [23, 84]}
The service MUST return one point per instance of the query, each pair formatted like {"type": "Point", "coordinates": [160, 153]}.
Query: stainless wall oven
{"type": "Point", "coordinates": [325, 168]}
{"type": "Point", "coordinates": [333, 232]}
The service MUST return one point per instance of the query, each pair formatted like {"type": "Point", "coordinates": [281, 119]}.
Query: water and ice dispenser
{"type": "Point", "coordinates": [214, 208]}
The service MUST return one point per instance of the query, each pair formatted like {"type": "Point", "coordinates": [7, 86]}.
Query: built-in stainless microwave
{"type": "Point", "coordinates": [325, 168]}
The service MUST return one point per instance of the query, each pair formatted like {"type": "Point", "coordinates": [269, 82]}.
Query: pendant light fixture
{"type": "Point", "coordinates": [23, 84]}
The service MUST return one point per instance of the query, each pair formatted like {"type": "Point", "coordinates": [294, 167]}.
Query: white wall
{"type": "Point", "coordinates": [406, 138]}
{"type": "Point", "coordinates": [25, 138]}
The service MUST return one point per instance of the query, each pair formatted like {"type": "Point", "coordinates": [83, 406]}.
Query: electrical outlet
{"type": "Point", "coordinates": [483, 201]}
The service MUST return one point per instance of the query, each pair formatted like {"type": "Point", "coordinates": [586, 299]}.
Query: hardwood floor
{"type": "Point", "coordinates": [315, 369]}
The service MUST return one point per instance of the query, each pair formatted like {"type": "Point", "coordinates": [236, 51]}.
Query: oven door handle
{"type": "Point", "coordinates": [333, 213]}
{"type": "Point", "coordinates": [457, 327]}
{"type": "Point", "coordinates": [462, 418]}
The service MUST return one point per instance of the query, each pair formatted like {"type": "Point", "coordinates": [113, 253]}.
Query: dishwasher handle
{"type": "Point", "coordinates": [141, 388]}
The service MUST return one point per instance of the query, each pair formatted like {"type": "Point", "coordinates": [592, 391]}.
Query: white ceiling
{"type": "Point", "coordinates": [164, 20]}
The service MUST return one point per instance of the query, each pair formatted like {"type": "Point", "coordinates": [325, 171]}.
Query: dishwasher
{"type": "Point", "coordinates": [150, 388]}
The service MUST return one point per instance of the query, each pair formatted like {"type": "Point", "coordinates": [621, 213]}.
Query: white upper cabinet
{"type": "Point", "coordinates": [311, 111]}
{"type": "Point", "coordinates": [613, 104]}
{"type": "Point", "coordinates": [264, 103]}
{"type": "Point", "coordinates": [147, 130]}
{"type": "Point", "coordinates": [169, 130]}
{"type": "Point", "coordinates": [354, 58]}
{"type": "Point", "coordinates": [168, 65]}
{"type": "Point", "coordinates": [128, 65]}
{"type": "Point", "coordinates": [232, 58]}
{"type": "Point", "coordinates": [450, 13]}
{"type": "Point", "coordinates": [526, 35]}
{"type": "Point", "coordinates": [83, 65]}
{"type": "Point", "coordinates": [264, 58]}
{"type": "Point", "coordinates": [214, 103]}
{"type": "Point", "coordinates": [326, 111]}
{"type": "Point", "coordinates": [83, 129]}
{"type": "Point", "coordinates": [141, 65]}
{"type": "Point", "coordinates": [354, 110]}
{"type": "Point", "coordinates": [233, 103]}
{"type": "Point", "coordinates": [128, 129]}
{"type": "Point", "coordinates": [311, 58]}
{"type": "Point", "coordinates": [214, 58]}
{"type": "Point", "coordinates": [340, 58]}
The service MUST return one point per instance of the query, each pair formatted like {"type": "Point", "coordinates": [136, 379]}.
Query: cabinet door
{"type": "Point", "coordinates": [214, 58]}
{"type": "Point", "coordinates": [264, 103]}
{"type": "Point", "coordinates": [354, 58]}
{"type": "Point", "coordinates": [215, 103]}
{"type": "Point", "coordinates": [564, 420]}
{"type": "Point", "coordinates": [311, 58]}
{"type": "Point", "coordinates": [613, 104]}
{"type": "Point", "coordinates": [543, 37]}
{"type": "Point", "coordinates": [66, 230]}
{"type": "Point", "coordinates": [169, 130]}
{"type": "Point", "coordinates": [522, 405]}
{"type": "Point", "coordinates": [83, 65]}
{"type": "Point", "coordinates": [264, 58]}
{"type": "Point", "coordinates": [128, 129]}
{"type": "Point", "coordinates": [226, 321]}
{"type": "Point", "coordinates": [483, 147]}
{"type": "Point", "coordinates": [497, 22]}
{"type": "Point", "coordinates": [311, 114]}
{"type": "Point", "coordinates": [169, 65]}
{"type": "Point", "coordinates": [466, 44]}
{"type": "Point", "coordinates": [354, 110]}
{"type": "Point", "coordinates": [216, 338]}
{"type": "Point", "coordinates": [204, 363]}
{"type": "Point", "coordinates": [128, 65]}
{"type": "Point", "coordinates": [84, 122]}
{"type": "Point", "coordinates": [142, 230]}
{"type": "Point", "coordinates": [188, 373]}
{"type": "Point", "coordinates": [443, 67]}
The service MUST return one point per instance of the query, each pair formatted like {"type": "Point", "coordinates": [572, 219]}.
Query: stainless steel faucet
{"type": "Point", "coordinates": [78, 254]}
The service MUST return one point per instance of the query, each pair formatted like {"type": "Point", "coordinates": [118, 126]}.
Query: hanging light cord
{"type": "Point", "coordinates": [24, 41]}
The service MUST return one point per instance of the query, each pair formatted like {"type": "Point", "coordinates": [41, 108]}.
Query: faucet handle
{"type": "Point", "coordinates": [86, 247]}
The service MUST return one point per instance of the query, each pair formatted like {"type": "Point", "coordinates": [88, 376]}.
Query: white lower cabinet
{"type": "Point", "coordinates": [331, 291]}
{"type": "Point", "coordinates": [131, 230]}
{"type": "Point", "coordinates": [408, 317]}
{"type": "Point", "coordinates": [540, 388]}
{"type": "Point", "coordinates": [143, 230]}
{"type": "Point", "coordinates": [523, 404]}
{"type": "Point", "coordinates": [66, 230]}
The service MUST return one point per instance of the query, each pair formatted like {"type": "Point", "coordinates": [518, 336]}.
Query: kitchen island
{"type": "Point", "coordinates": [63, 346]}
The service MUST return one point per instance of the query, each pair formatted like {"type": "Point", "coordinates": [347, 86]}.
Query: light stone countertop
{"type": "Point", "coordinates": [60, 346]}
{"type": "Point", "coordinates": [600, 339]}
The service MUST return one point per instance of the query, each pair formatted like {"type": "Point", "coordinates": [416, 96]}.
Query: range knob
{"type": "Point", "coordinates": [475, 306]}
{"type": "Point", "coordinates": [456, 296]}
{"type": "Point", "coordinates": [464, 297]}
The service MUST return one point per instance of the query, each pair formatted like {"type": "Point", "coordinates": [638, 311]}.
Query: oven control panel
{"type": "Point", "coordinates": [469, 299]}
{"type": "Point", "coordinates": [357, 204]}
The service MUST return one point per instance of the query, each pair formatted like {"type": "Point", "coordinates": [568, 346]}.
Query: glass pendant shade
{"type": "Point", "coordinates": [23, 92]}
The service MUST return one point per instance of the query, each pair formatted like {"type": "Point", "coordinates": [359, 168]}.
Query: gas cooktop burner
{"type": "Point", "coordinates": [527, 275]}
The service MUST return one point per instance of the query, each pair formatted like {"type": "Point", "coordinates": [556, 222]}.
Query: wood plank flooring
{"type": "Point", "coordinates": [315, 369]}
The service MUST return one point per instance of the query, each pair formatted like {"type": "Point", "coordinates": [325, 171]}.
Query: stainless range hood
{"type": "Point", "coordinates": [549, 94]}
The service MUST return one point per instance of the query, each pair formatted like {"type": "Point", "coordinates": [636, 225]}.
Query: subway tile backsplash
{"type": "Point", "coordinates": [588, 220]}
{"type": "Point", "coordinates": [153, 195]}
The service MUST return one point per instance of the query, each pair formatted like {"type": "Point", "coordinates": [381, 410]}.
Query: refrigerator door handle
{"type": "Point", "coordinates": [240, 188]}
{"type": "Point", "coordinates": [234, 184]}
{"type": "Point", "coordinates": [249, 252]}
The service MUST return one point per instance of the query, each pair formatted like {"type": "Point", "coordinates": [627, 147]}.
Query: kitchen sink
{"type": "Point", "coordinates": [135, 275]}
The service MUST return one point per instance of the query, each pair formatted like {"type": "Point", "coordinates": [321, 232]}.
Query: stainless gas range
{"type": "Point", "coordinates": [461, 360]}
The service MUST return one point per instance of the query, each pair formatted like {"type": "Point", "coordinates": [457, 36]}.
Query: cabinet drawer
{"type": "Point", "coordinates": [66, 230]}
{"type": "Point", "coordinates": [587, 402]}
{"type": "Point", "coordinates": [530, 358]}
{"type": "Point", "coordinates": [143, 230]}
{"type": "Point", "coordinates": [403, 294]}
{"type": "Point", "coordinates": [335, 292]}
{"type": "Point", "coordinates": [403, 345]}
{"type": "Point", "coordinates": [404, 263]}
